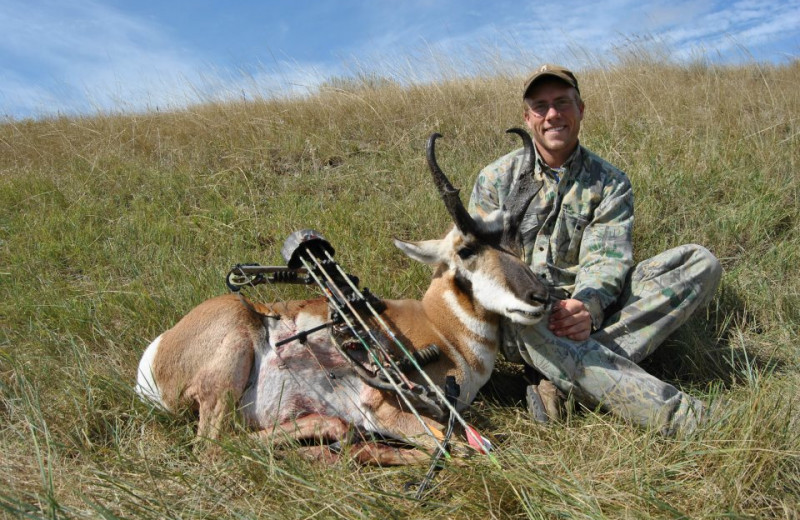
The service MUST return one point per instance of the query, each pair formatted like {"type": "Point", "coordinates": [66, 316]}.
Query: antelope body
{"type": "Point", "coordinates": [224, 351]}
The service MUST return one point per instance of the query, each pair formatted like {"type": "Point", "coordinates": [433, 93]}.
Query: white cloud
{"type": "Point", "coordinates": [99, 58]}
{"type": "Point", "coordinates": [744, 24]}
{"type": "Point", "coordinates": [282, 79]}
{"type": "Point", "coordinates": [95, 58]}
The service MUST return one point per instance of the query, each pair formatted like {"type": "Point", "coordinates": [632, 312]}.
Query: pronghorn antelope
{"type": "Point", "coordinates": [224, 350]}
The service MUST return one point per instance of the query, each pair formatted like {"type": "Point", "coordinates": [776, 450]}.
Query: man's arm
{"type": "Point", "coordinates": [606, 252]}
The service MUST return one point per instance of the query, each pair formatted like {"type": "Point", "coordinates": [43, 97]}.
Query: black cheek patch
{"type": "Point", "coordinates": [463, 284]}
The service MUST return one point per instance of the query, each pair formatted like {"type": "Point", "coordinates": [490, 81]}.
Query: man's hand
{"type": "Point", "coordinates": [570, 318]}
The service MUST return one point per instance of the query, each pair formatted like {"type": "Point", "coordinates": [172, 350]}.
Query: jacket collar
{"type": "Point", "coordinates": [570, 168]}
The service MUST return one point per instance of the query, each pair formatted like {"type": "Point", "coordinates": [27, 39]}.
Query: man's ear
{"type": "Point", "coordinates": [426, 251]}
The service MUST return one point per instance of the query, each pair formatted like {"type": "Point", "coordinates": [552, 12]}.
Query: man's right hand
{"type": "Point", "coordinates": [571, 319]}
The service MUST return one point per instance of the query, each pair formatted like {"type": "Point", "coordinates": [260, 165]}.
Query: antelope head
{"type": "Point", "coordinates": [484, 253]}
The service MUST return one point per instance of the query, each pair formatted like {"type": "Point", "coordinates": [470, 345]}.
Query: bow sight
{"type": "Point", "coordinates": [309, 260]}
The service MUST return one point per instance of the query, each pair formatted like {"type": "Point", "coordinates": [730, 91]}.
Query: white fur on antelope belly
{"type": "Point", "coordinates": [299, 379]}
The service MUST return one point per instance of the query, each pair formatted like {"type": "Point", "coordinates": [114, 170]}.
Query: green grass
{"type": "Point", "coordinates": [114, 226]}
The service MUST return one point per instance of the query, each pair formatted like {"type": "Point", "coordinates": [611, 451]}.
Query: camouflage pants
{"type": "Point", "coordinates": [660, 295]}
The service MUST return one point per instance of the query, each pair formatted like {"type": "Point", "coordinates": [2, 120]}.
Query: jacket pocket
{"type": "Point", "coordinates": [568, 235]}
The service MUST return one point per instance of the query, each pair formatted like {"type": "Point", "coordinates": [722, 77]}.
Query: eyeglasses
{"type": "Point", "coordinates": [541, 108]}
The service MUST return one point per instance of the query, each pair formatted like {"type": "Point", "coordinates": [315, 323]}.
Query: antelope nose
{"type": "Point", "coordinates": [537, 295]}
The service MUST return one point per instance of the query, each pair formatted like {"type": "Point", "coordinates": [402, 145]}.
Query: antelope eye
{"type": "Point", "coordinates": [465, 252]}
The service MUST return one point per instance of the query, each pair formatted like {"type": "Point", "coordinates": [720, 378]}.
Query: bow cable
{"type": "Point", "coordinates": [332, 301]}
{"type": "Point", "coordinates": [412, 359]}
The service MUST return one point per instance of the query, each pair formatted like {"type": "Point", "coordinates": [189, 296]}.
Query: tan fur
{"type": "Point", "coordinates": [227, 334]}
{"type": "Point", "coordinates": [424, 323]}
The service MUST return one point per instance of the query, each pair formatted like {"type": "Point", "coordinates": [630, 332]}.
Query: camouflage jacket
{"type": "Point", "coordinates": [577, 231]}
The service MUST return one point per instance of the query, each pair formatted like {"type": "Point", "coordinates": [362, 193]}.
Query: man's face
{"type": "Point", "coordinates": [554, 115]}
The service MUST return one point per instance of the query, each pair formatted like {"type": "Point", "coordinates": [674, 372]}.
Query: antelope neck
{"type": "Point", "coordinates": [447, 304]}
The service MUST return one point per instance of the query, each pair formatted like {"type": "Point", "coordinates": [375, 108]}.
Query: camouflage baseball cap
{"type": "Point", "coordinates": [555, 71]}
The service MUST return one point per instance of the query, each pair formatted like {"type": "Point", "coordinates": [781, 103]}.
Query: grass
{"type": "Point", "coordinates": [114, 226]}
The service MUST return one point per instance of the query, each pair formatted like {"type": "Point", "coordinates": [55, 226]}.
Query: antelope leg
{"type": "Point", "coordinates": [367, 453]}
{"type": "Point", "coordinates": [375, 453]}
{"type": "Point", "coordinates": [314, 426]}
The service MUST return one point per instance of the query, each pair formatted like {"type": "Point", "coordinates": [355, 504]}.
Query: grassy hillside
{"type": "Point", "coordinates": [112, 227]}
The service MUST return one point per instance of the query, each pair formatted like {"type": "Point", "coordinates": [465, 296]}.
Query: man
{"type": "Point", "coordinates": [577, 235]}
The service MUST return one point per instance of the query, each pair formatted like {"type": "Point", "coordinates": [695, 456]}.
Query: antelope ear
{"type": "Point", "coordinates": [495, 222]}
{"type": "Point", "coordinates": [426, 251]}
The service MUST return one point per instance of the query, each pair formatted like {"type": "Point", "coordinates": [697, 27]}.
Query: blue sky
{"type": "Point", "coordinates": [81, 56]}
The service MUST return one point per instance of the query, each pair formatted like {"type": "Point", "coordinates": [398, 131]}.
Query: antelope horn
{"type": "Point", "coordinates": [463, 220]}
{"type": "Point", "coordinates": [527, 162]}
{"type": "Point", "coordinates": [523, 192]}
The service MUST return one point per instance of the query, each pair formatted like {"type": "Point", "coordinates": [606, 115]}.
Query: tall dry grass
{"type": "Point", "coordinates": [112, 227]}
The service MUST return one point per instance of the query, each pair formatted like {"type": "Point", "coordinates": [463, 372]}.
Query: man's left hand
{"type": "Point", "coordinates": [570, 318]}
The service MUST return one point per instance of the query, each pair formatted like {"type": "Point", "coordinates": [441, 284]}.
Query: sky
{"type": "Point", "coordinates": [78, 57]}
